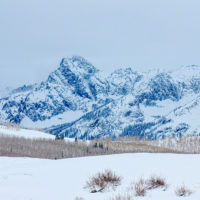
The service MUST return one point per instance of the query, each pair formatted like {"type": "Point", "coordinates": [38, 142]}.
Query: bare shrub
{"type": "Point", "coordinates": [183, 191]}
{"type": "Point", "coordinates": [155, 182]}
{"type": "Point", "coordinates": [103, 180]}
{"type": "Point", "coordinates": [140, 188]}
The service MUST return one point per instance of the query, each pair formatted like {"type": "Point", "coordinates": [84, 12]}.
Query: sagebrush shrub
{"type": "Point", "coordinates": [103, 180]}
{"type": "Point", "coordinates": [155, 182]}
{"type": "Point", "coordinates": [141, 186]}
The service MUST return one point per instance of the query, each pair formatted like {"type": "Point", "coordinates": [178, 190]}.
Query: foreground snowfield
{"type": "Point", "coordinates": [36, 179]}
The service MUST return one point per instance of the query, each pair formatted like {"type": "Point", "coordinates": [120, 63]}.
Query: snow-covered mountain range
{"type": "Point", "coordinates": [78, 101]}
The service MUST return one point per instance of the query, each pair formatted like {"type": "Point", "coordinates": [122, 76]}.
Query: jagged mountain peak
{"type": "Point", "coordinates": [122, 81]}
{"type": "Point", "coordinates": [78, 63]}
{"type": "Point", "coordinates": [73, 71]}
{"type": "Point", "coordinates": [120, 71]}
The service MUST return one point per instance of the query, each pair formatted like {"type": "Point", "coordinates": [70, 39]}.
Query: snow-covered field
{"type": "Point", "coordinates": [36, 179]}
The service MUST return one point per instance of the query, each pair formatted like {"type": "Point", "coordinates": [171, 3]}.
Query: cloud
{"type": "Point", "coordinates": [36, 34]}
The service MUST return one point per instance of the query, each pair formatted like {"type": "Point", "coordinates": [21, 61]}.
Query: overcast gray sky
{"type": "Point", "coordinates": [36, 34]}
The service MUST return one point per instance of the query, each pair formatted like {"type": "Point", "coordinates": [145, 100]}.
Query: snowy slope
{"type": "Point", "coordinates": [183, 119]}
{"type": "Point", "coordinates": [25, 133]}
{"type": "Point", "coordinates": [35, 179]}
{"type": "Point", "coordinates": [68, 116]}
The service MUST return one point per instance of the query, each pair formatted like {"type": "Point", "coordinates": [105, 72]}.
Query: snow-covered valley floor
{"type": "Point", "coordinates": [37, 179]}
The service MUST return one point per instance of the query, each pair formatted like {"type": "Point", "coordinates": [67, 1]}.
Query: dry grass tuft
{"type": "Point", "coordinates": [102, 181]}
{"type": "Point", "coordinates": [183, 191]}
{"type": "Point", "coordinates": [140, 188]}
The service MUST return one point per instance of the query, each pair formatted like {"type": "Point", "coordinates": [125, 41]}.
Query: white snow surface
{"type": "Point", "coordinates": [37, 179]}
{"type": "Point", "coordinates": [25, 133]}
{"type": "Point", "coordinates": [66, 117]}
